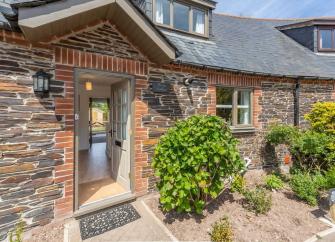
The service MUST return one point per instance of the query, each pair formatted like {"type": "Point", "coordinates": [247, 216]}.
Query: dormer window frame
{"type": "Point", "coordinates": [191, 7]}
{"type": "Point", "coordinates": [332, 29]}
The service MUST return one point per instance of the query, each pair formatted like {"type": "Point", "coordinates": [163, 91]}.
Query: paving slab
{"type": "Point", "coordinates": [146, 228]}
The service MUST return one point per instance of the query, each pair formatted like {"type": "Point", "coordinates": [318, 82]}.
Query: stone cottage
{"type": "Point", "coordinates": [154, 62]}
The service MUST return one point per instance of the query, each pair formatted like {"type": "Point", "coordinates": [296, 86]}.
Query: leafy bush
{"type": "Point", "coordinates": [273, 182]}
{"type": "Point", "coordinates": [238, 184]}
{"type": "Point", "coordinates": [192, 160]}
{"type": "Point", "coordinates": [313, 150]}
{"type": "Point", "coordinates": [330, 178]}
{"type": "Point", "coordinates": [306, 186]}
{"type": "Point", "coordinates": [258, 200]}
{"type": "Point", "coordinates": [222, 231]}
{"type": "Point", "coordinates": [322, 117]}
{"type": "Point", "coordinates": [281, 134]}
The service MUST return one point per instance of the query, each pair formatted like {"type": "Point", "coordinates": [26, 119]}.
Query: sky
{"type": "Point", "coordinates": [277, 8]}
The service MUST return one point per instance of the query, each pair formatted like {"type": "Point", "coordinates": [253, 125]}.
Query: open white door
{"type": "Point", "coordinates": [120, 137]}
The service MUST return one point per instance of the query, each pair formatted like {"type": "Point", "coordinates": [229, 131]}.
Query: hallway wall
{"type": "Point", "coordinates": [98, 91]}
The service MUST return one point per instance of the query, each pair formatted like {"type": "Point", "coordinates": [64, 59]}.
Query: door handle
{"type": "Point", "coordinates": [118, 143]}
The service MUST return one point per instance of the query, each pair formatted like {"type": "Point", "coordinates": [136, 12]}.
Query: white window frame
{"type": "Point", "coordinates": [235, 106]}
{"type": "Point", "coordinates": [190, 17]}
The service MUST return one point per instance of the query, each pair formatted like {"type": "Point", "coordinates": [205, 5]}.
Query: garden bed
{"type": "Point", "coordinates": [288, 220]}
{"type": "Point", "coordinates": [53, 232]}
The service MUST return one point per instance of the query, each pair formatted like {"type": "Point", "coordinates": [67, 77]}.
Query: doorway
{"type": "Point", "coordinates": [103, 137]}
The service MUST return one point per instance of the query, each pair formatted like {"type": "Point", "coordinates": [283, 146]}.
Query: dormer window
{"type": "Point", "coordinates": [163, 12]}
{"type": "Point", "coordinates": [181, 16]}
{"type": "Point", "coordinates": [326, 39]}
{"type": "Point", "coordinates": [181, 19]}
{"type": "Point", "coordinates": [198, 21]}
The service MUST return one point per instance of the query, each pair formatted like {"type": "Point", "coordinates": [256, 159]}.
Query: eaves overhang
{"type": "Point", "coordinates": [59, 18]}
{"type": "Point", "coordinates": [306, 23]}
{"type": "Point", "coordinates": [248, 72]}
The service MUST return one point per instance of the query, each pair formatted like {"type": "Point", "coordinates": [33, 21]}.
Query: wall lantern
{"type": "Point", "coordinates": [88, 86]}
{"type": "Point", "coordinates": [188, 80]}
{"type": "Point", "coordinates": [41, 81]}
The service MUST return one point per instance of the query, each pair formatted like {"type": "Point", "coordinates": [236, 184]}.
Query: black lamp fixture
{"type": "Point", "coordinates": [41, 81]}
{"type": "Point", "coordinates": [188, 80]}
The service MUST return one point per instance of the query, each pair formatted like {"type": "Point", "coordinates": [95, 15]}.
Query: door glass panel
{"type": "Point", "coordinates": [114, 112]}
{"type": "Point", "coordinates": [124, 113]}
{"type": "Point", "coordinates": [124, 96]}
{"type": "Point", "coordinates": [119, 122]}
{"type": "Point", "coordinates": [124, 131]}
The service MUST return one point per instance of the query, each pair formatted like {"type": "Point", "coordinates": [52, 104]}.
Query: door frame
{"type": "Point", "coordinates": [110, 201]}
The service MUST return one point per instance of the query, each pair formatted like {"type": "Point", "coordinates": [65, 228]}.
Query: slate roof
{"type": "Point", "coordinates": [253, 45]}
{"type": "Point", "coordinates": [239, 44]}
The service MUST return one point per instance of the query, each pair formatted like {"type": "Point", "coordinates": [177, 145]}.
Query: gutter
{"type": "Point", "coordinates": [217, 68]}
{"type": "Point", "coordinates": [296, 108]}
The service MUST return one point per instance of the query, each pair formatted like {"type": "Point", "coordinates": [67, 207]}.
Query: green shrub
{"type": "Point", "coordinates": [330, 178]}
{"type": "Point", "coordinates": [322, 117]}
{"type": "Point", "coordinates": [258, 200]}
{"type": "Point", "coordinates": [273, 182]}
{"type": "Point", "coordinates": [222, 231]}
{"type": "Point", "coordinates": [192, 160]}
{"type": "Point", "coordinates": [306, 186]}
{"type": "Point", "coordinates": [281, 134]}
{"type": "Point", "coordinates": [238, 184]}
{"type": "Point", "coordinates": [313, 151]}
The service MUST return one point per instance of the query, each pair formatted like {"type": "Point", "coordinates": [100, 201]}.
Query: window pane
{"type": "Point", "coordinates": [224, 96]}
{"type": "Point", "coordinates": [181, 16]}
{"type": "Point", "coordinates": [124, 113]}
{"type": "Point", "coordinates": [118, 129]}
{"type": "Point", "coordinates": [198, 21]}
{"type": "Point", "coordinates": [243, 107]}
{"type": "Point", "coordinates": [226, 114]}
{"type": "Point", "coordinates": [124, 131]}
{"type": "Point", "coordinates": [163, 12]}
{"type": "Point", "coordinates": [326, 39]}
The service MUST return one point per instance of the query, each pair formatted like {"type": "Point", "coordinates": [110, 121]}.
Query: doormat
{"type": "Point", "coordinates": [106, 220]}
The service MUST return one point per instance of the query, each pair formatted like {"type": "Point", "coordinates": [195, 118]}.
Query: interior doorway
{"type": "Point", "coordinates": [103, 137]}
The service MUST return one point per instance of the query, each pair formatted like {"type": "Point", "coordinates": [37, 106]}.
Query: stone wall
{"type": "Point", "coordinates": [312, 92]}
{"type": "Point", "coordinates": [165, 108]}
{"type": "Point", "coordinates": [273, 103]}
{"type": "Point", "coordinates": [28, 155]}
{"type": "Point", "coordinates": [277, 103]}
{"type": "Point", "coordinates": [104, 39]}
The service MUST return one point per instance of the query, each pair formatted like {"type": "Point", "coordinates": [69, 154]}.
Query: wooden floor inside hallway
{"type": "Point", "coordinates": [95, 181]}
{"type": "Point", "coordinates": [97, 190]}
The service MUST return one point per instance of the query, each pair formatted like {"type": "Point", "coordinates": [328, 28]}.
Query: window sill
{"type": "Point", "coordinates": [243, 130]}
{"type": "Point", "coordinates": [194, 34]}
